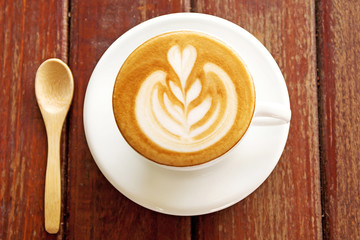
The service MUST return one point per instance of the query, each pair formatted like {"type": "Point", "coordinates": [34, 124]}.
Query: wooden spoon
{"type": "Point", "coordinates": [54, 88]}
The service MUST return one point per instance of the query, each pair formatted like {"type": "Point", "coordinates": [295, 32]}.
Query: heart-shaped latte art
{"type": "Point", "coordinates": [182, 61]}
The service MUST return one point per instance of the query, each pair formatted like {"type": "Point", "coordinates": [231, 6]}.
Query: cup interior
{"type": "Point", "coordinates": [226, 81]}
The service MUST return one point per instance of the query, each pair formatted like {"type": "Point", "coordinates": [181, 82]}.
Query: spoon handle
{"type": "Point", "coordinates": [53, 180]}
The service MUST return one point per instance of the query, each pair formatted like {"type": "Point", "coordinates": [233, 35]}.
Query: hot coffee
{"type": "Point", "coordinates": [183, 98]}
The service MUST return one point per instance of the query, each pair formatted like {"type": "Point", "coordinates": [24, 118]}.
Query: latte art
{"type": "Point", "coordinates": [183, 98]}
{"type": "Point", "coordinates": [184, 115]}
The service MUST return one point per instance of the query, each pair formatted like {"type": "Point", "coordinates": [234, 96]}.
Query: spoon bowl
{"type": "Point", "coordinates": [54, 85]}
{"type": "Point", "coordinates": [54, 88]}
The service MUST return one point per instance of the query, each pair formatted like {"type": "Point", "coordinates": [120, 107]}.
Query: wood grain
{"type": "Point", "coordinates": [31, 31]}
{"type": "Point", "coordinates": [96, 210]}
{"type": "Point", "coordinates": [287, 205]}
{"type": "Point", "coordinates": [339, 74]}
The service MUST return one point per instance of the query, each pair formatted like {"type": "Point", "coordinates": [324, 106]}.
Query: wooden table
{"type": "Point", "coordinates": [313, 193]}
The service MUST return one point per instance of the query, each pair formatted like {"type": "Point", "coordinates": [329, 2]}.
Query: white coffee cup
{"type": "Point", "coordinates": [267, 113]}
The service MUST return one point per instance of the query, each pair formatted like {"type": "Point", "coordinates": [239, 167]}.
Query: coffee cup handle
{"type": "Point", "coordinates": [270, 113]}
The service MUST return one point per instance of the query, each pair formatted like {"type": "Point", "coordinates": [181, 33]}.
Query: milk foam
{"type": "Point", "coordinates": [167, 116]}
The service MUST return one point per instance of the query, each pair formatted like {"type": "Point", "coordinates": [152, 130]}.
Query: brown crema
{"type": "Point", "coordinates": [183, 98]}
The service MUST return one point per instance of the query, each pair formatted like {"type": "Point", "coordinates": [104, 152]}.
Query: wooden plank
{"type": "Point", "coordinates": [339, 74]}
{"type": "Point", "coordinates": [97, 210]}
{"type": "Point", "coordinates": [287, 205]}
{"type": "Point", "coordinates": [31, 31]}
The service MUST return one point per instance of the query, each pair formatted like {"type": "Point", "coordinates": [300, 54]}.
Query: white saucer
{"type": "Point", "coordinates": [181, 192]}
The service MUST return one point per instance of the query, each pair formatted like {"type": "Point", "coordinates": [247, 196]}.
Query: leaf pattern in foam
{"type": "Point", "coordinates": [183, 62]}
{"type": "Point", "coordinates": [175, 111]}
{"type": "Point", "coordinates": [177, 92]}
{"type": "Point", "coordinates": [163, 118]}
{"type": "Point", "coordinates": [198, 112]}
{"type": "Point", "coordinates": [194, 91]}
